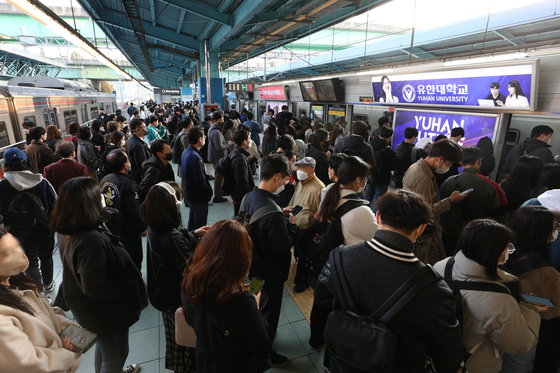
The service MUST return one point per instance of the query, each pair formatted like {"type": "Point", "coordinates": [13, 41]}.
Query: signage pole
{"type": "Point", "coordinates": [207, 57]}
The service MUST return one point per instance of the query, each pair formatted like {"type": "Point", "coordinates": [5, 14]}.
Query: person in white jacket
{"type": "Point", "coordinates": [494, 324]}
{"type": "Point", "coordinates": [29, 326]}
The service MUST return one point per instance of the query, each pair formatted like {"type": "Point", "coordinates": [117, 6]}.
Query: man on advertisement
{"type": "Point", "coordinates": [495, 95]}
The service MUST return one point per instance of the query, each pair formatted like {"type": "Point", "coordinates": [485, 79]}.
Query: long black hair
{"type": "Point", "coordinates": [20, 282]}
{"type": "Point", "coordinates": [349, 170]}
{"type": "Point", "coordinates": [518, 91]}
{"type": "Point", "coordinates": [532, 226]}
{"type": "Point", "coordinates": [523, 178]}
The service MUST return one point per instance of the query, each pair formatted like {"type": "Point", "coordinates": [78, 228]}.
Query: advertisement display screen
{"type": "Point", "coordinates": [308, 91]}
{"type": "Point", "coordinates": [325, 90]}
{"type": "Point", "coordinates": [430, 124]}
{"type": "Point", "coordinates": [504, 87]}
{"type": "Point", "coordinates": [273, 92]}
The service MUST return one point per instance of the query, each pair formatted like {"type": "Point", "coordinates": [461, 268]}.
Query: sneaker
{"type": "Point", "coordinates": [220, 199]}
{"type": "Point", "coordinates": [50, 287]}
{"type": "Point", "coordinates": [300, 288]}
{"type": "Point", "coordinates": [278, 361]}
{"type": "Point", "coordinates": [132, 368]}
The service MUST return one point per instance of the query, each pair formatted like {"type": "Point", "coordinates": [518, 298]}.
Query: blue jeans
{"type": "Point", "coordinates": [198, 215]}
{"type": "Point", "coordinates": [379, 191]}
{"type": "Point", "coordinates": [518, 363]}
{"type": "Point", "coordinates": [369, 192]}
{"type": "Point", "coordinates": [111, 353]}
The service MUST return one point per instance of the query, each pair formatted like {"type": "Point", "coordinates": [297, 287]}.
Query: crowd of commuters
{"type": "Point", "coordinates": [361, 218]}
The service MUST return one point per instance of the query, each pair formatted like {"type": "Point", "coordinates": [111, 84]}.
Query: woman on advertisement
{"type": "Point", "coordinates": [516, 96]}
{"type": "Point", "coordinates": [386, 92]}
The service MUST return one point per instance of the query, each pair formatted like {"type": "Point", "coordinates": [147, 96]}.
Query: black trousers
{"type": "Point", "coordinates": [273, 291]}
{"type": "Point", "coordinates": [302, 272]}
{"type": "Point", "coordinates": [41, 252]}
{"type": "Point", "coordinates": [133, 245]}
{"type": "Point", "coordinates": [547, 358]}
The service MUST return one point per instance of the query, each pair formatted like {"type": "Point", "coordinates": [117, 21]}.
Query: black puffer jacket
{"type": "Point", "coordinates": [356, 145]}
{"type": "Point", "coordinates": [386, 155]}
{"type": "Point", "coordinates": [102, 286]}
{"type": "Point", "coordinates": [154, 172]}
{"type": "Point", "coordinates": [529, 146]}
{"type": "Point", "coordinates": [321, 162]}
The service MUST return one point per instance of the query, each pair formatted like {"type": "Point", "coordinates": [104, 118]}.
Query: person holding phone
{"type": "Point", "coordinates": [29, 327]}
{"type": "Point", "coordinates": [231, 332]}
{"type": "Point", "coordinates": [535, 227]}
{"type": "Point", "coordinates": [484, 200]}
{"type": "Point", "coordinates": [494, 324]}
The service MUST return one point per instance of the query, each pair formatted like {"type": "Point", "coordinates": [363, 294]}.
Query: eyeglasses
{"type": "Point", "coordinates": [510, 248]}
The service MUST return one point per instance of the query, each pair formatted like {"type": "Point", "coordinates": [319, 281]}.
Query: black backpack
{"type": "Point", "coordinates": [177, 147]}
{"type": "Point", "coordinates": [248, 220]}
{"type": "Point", "coordinates": [322, 237]}
{"type": "Point", "coordinates": [360, 343]}
{"type": "Point", "coordinates": [26, 218]}
{"type": "Point", "coordinates": [225, 168]}
{"type": "Point", "coordinates": [357, 153]}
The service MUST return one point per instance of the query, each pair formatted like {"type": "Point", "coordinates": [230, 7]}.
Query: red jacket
{"type": "Point", "coordinates": [63, 170]}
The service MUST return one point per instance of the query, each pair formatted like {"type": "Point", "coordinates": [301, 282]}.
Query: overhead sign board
{"type": "Point", "coordinates": [432, 123]}
{"type": "Point", "coordinates": [502, 87]}
{"type": "Point", "coordinates": [167, 91]}
{"type": "Point", "coordinates": [272, 92]}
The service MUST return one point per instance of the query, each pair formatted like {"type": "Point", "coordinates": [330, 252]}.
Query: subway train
{"type": "Point", "coordinates": [44, 101]}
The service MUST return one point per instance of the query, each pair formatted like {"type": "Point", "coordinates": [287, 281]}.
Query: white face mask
{"type": "Point", "coordinates": [554, 236]}
{"type": "Point", "coordinates": [103, 201]}
{"type": "Point", "coordinates": [505, 258]}
{"type": "Point", "coordinates": [250, 143]}
{"type": "Point", "coordinates": [16, 261]}
{"type": "Point", "coordinates": [443, 169]}
{"type": "Point", "coordinates": [302, 175]}
{"type": "Point", "coordinates": [279, 189]}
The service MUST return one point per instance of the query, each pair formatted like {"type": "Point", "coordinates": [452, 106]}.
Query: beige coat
{"type": "Point", "coordinates": [31, 344]}
{"type": "Point", "coordinates": [493, 323]}
{"type": "Point", "coordinates": [308, 196]}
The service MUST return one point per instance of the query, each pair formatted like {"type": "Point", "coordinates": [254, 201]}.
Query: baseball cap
{"type": "Point", "coordinates": [14, 155]}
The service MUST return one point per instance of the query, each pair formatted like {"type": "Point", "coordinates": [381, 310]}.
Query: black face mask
{"type": "Point", "coordinates": [169, 156]}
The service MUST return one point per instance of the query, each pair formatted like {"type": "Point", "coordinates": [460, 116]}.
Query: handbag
{"type": "Point", "coordinates": [184, 333]}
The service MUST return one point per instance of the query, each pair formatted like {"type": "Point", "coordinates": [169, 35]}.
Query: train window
{"type": "Point", "coordinates": [4, 138]}
{"type": "Point", "coordinates": [94, 112]}
{"type": "Point", "coordinates": [70, 116]}
{"type": "Point", "coordinates": [30, 118]}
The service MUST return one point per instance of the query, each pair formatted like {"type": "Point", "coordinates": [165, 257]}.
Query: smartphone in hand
{"type": "Point", "coordinates": [539, 301]}
{"type": "Point", "coordinates": [255, 285]}
{"type": "Point", "coordinates": [465, 192]}
{"type": "Point", "coordinates": [296, 210]}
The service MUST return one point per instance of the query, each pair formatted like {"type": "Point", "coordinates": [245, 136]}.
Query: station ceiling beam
{"type": "Point", "coordinates": [202, 10]}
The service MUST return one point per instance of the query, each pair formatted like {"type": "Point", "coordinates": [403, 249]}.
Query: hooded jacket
{"type": "Point", "coordinates": [356, 145]}
{"type": "Point", "coordinates": [88, 155]}
{"type": "Point", "coordinates": [529, 146]}
{"type": "Point", "coordinates": [493, 323]}
{"type": "Point", "coordinates": [18, 181]}
{"type": "Point", "coordinates": [154, 172]}
{"type": "Point", "coordinates": [217, 146]}
{"type": "Point", "coordinates": [138, 153]}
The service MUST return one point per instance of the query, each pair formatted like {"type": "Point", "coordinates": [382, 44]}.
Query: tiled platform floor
{"type": "Point", "coordinates": [147, 336]}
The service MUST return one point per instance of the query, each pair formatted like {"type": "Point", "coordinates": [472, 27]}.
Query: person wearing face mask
{"type": "Point", "coordinates": [169, 246]}
{"type": "Point", "coordinates": [243, 181]}
{"type": "Point", "coordinates": [271, 236]}
{"type": "Point", "coordinates": [29, 327]}
{"type": "Point", "coordinates": [308, 196]}
{"type": "Point", "coordinates": [122, 205]}
{"type": "Point", "coordinates": [535, 227]}
{"type": "Point", "coordinates": [420, 178]}
{"type": "Point", "coordinates": [376, 268]}
{"type": "Point", "coordinates": [136, 148]}
{"type": "Point", "coordinates": [495, 324]}
{"type": "Point", "coordinates": [196, 187]}
{"type": "Point", "coordinates": [158, 167]}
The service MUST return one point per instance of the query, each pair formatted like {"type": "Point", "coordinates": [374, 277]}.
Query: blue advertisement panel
{"type": "Point", "coordinates": [504, 87]}
{"type": "Point", "coordinates": [430, 124]}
